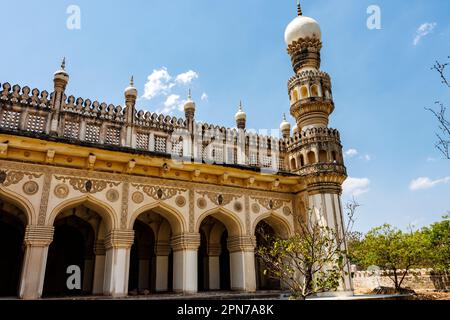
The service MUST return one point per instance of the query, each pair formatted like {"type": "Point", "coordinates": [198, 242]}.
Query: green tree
{"type": "Point", "coordinates": [309, 262]}
{"type": "Point", "coordinates": [438, 238]}
{"type": "Point", "coordinates": [392, 250]}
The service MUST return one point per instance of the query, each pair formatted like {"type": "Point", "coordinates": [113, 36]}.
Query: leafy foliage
{"type": "Point", "coordinates": [309, 262]}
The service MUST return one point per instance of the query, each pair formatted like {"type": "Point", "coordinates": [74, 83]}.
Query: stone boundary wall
{"type": "Point", "coordinates": [416, 279]}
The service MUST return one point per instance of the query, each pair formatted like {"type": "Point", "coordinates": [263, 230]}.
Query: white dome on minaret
{"type": "Point", "coordinates": [301, 28]}
{"type": "Point", "coordinates": [190, 104]}
{"type": "Point", "coordinates": [240, 115]}
{"type": "Point", "coordinates": [285, 125]}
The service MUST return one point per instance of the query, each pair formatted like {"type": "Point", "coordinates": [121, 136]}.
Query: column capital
{"type": "Point", "coordinates": [214, 249]}
{"type": "Point", "coordinates": [185, 241]}
{"type": "Point", "coordinates": [119, 239]}
{"type": "Point", "coordinates": [241, 243]}
{"type": "Point", "coordinates": [99, 248]}
{"type": "Point", "coordinates": [162, 248]}
{"type": "Point", "coordinates": [38, 236]}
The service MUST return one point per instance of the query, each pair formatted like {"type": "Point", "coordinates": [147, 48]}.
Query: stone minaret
{"type": "Point", "coordinates": [189, 111]}
{"type": "Point", "coordinates": [241, 118]}
{"type": "Point", "coordinates": [131, 95]}
{"type": "Point", "coordinates": [317, 154]}
{"type": "Point", "coordinates": [60, 80]}
{"type": "Point", "coordinates": [285, 128]}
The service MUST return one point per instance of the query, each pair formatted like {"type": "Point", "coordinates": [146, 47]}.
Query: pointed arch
{"type": "Point", "coordinates": [104, 210]}
{"type": "Point", "coordinates": [20, 202]}
{"type": "Point", "coordinates": [279, 224]}
{"type": "Point", "coordinates": [173, 216]}
{"type": "Point", "coordinates": [231, 221]}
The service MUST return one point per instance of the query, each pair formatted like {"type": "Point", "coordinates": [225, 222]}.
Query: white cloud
{"type": "Point", "coordinates": [187, 77]}
{"type": "Point", "coordinates": [356, 186]}
{"type": "Point", "coordinates": [204, 97]}
{"type": "Point", "coordinates": [351, 153]}
{"type": "Point", "coordinates": [367, 157]}
{"type": "Point", "coordinates": [423, 183]}
{"type": "Point", "coordinates": [159, 82]}
{"type": "Point", "coordinates": [424, 30]}
{"type": "Point", "coordinates": [173, 102]}
{"type": "Point", "coordinates": [431, 159]}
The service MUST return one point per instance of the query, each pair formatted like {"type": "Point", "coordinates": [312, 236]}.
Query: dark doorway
{"type": "Point", "coordinates": [11, 250]}
{"type": "Point", "coordinates": [72, 244]}
{"type": "Point", "coordinates": [202, 263]}
{"type": "Point", "coordinates": [263, 281]}
{"type": "Point", "coordinates": [225, 277]}
{"type": "Point", "coordinates": [142, 276]}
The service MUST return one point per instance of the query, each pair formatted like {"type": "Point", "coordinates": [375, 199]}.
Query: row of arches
{"type": "Point", "coordinates": [79, 237]}
{"type": "Point", "coordinates": [312, 157]}
{"type": "Point", "coordinates": [305, 91]}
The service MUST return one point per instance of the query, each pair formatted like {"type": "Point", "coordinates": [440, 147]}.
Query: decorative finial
{"type": "Point", "coordinates": [299, 8]}
{"type": "Point", "coordinates": [190, 94]}
{"type": "Point", "coordinates": [284, 117]}
{"type": "Point", "coordinates": [132, 81]}
{"type": "Point", "coordinates": [63, 63]}
{"type": "Point", "coordinates": [240, 105]}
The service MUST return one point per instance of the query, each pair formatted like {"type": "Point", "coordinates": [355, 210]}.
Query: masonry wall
{"type": "Point", "coordinates": [418, 279]}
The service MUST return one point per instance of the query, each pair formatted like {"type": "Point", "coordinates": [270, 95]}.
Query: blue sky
{"type": "Point", "coordinates": [232, 50]}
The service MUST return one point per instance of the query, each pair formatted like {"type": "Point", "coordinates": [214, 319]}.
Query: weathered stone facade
{"type": "Point", "coordinates": [147, 202]}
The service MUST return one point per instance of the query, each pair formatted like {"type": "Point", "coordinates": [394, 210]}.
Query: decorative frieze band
{"type": "Point", "coordinates": [219, 199]}
{"type": "Point", "coordinates": [8, 178]}
{"type": "Point", "coordinates": [270, 203]}
{"type": "Point", "coordinates": [159, 192]}
{"type": "Point", "coordinates": [86, 185]}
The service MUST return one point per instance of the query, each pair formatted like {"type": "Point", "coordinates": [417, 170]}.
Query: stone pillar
{"type": "Point", "coordinates": [37, 240]}
{"type": "Point", "coordinates": [242, 263]}
{"type": "Point", "coordinates": [118, 246]}
{"type": "Point", "coordinates": [325, 201]}
{"type": "Point", "coordinates": [214, 251]}
{"type": "Point", "coordinates": [162, 251]}
{"type": "Point", "coordinates": [185, 273]}
{"type": "Point", "coordinates": [99, 268]}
